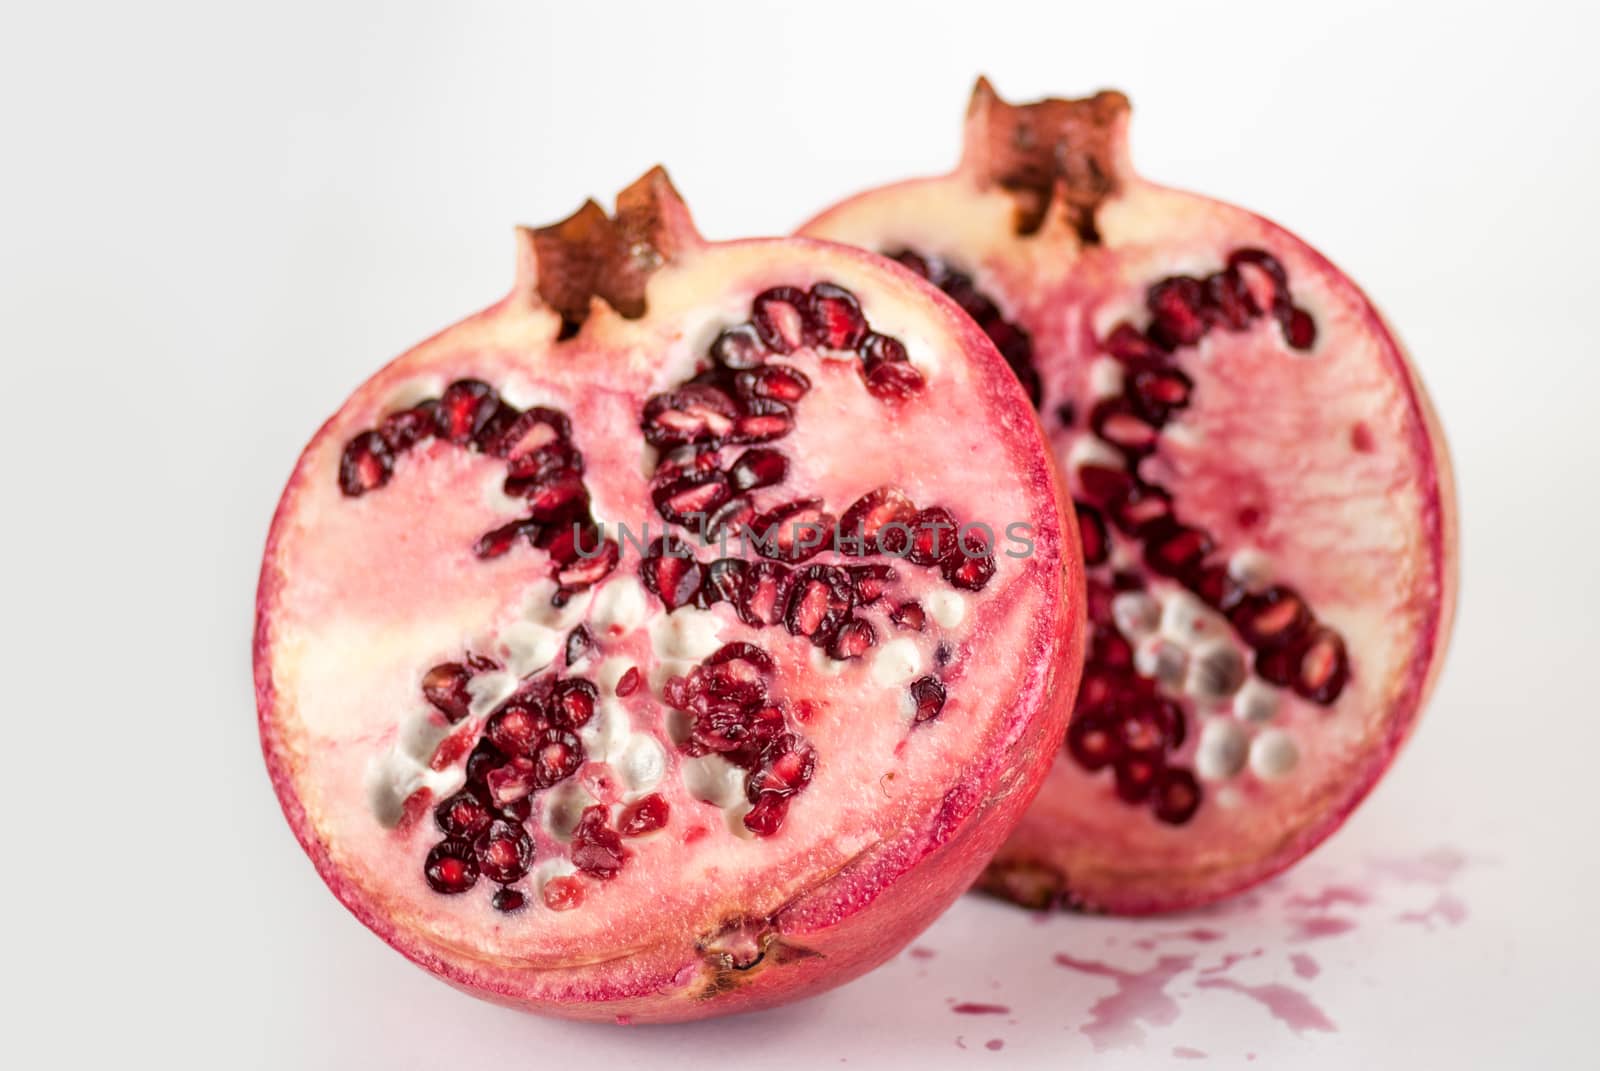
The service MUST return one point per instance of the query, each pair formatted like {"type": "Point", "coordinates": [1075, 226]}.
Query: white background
{"type": "Point", "coordinates": [218, 219]}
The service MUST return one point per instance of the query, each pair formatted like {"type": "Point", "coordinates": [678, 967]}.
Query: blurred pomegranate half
{"type": "Point", "coordinates": [677, 636]}
{"type": "Point", "coordinates": [1262, 488]}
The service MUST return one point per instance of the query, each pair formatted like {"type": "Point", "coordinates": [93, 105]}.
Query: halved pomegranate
{"type": "Point", "coordinates": [562, 751]}
{"type": "Point", "coordinates": [1262, 490]}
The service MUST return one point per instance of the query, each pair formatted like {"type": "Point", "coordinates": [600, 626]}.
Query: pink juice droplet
{"type": "Point", "coordinates": [1141, 996]}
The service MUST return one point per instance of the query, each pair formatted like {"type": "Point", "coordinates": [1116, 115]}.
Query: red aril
{"type": "Point", "coordinates": [1263, 491]}
{"type": "Point", "coordinates": [621, 774]}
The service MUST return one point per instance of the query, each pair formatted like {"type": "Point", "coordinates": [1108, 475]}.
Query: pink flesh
{"type": "Point", "coordinates": [359, 596]}
{"type": "Point", "coordinates": [1329, 461]}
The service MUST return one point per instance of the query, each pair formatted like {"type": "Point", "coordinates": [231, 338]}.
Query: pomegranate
{"type": "Point", "coordinates": [570, 684]}
{"type": "Point", "coordinates": [1262, 489]}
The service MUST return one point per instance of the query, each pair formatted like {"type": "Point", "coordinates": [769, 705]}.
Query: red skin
{"type": "Point", "coordinates": [842, 921]}
{"type": "Point", "coordinates": [1079, 846]}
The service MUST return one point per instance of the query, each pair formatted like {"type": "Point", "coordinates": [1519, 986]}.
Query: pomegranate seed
{"type": "Point", "coordinates": [690, 498]}
{"type": "Point", "coordinates": [914, 262]}
{"type": "Point", "coordinates": [854, 639]}
{"type": "Point", "coordinates": [1217, 588]}
{"type": "Point", "coordinates": [450, 867]}
{"type": "Point", "coordinates": [738, 348]}
{"type": "Point", "coordinates": [971, 565]}
{"type": "Point", "coordinates": [1142, 508]}
{"type": "Point", "coordinates": [1093, 741]}
{"type": "Point", "coordinates": [862, 523]}
{"type": "Point", "coordinates": [1092, 530]}
{"type": "Point", "coordinates": [365, 466]}
{"type": "Point", "coordinates": [758, 467]}
{"type": "Point", "coordinates": [508, 901]}
{"type": "Point", "coordinates": [870, 582]}
{"type": "Point", "coordinates": [585, 572]}
{"type": "Point", "coordinates": [1102, 484]}
{"type": "Point", "coordinates": [766, 817]}
{"type": "Point", "coordinates": [1067, 414]}
{"type": "Point", "coordinates": [933, 537]}
{"type": "Point", "coordinates": [462, 816]}
{"type": "Point", "coordinates": [1109, 649]}
{"type": "Point", "coordinates": [1177, 796]}
{"type": "Point", "coordinates": [787, 771]}
{"type": "Point", "coordinates": [674, 580]}
{"type": "Point", "coordinates": [1264, 279]}
{"type": "Point", "coordinates": [504, 852]}
{"type": "Point", "coordinates": [1272, 618]}
{"type": "Point", "coordinates": [527, 473]}
{"type": "Point", "coordinates": [908, 616]}
{"type": "Point", "coordinates": [572, 702]}
{"type": "Point", "coordinates": [557, 497]}
{"type": "Point", "coordinates": [1156, 393]}
{"type": "Point", "coordinates": [778, 319]}
{"type": "Point", "coordinates": [596, 849]}
{"type": "Point", "coordinates": [793, 531]}
{"type": "Point", "coordinates": [643, 816]}
{"type": "Point", "coordinates": [512, 782]}
{"type": "Point", "coordinates": [628, 683]}
{"type": "Point", "coordinates": [722, 581]}
{"type": "Point", "coordinates": [445, 686]}
{"type": "Point", "coordinates": [1126, 344]}
{"type": "Point", "coordinates": [484, 758]}
{"type": "Point", "coordinates": [516, 725]}
{"type": "Point", "coordinates": [1174, 549]}
{"type": "Point", "coordinates": [1177, 307]}
{"type": "Point", "coordinates": [1136, 775]}
{"type": "Point", "coordinates": [494, 544]}
{"type": "Point", "coordinates": [739, 651]}
{"type": "Point", "coordinates": [1299, 329]}
{"type": "Point", "coordinates": [405, 429]}
{"type": "Point", "coordinates": [876, 349]}
{"type": "Point", "coordinates": [557, 755]}
{"type": "Point", "coordinates": [893, 383]}
{"type": "Point", "coordinates": [1152, 724]}
{"type": "Point", "coordinates": [563, 893]}
{"type": "Point", "coordinates": [537, 429]}
{"type": "Point", "coordinates": [821, 599]}
{"type": "Point", "coordinates": [732, 518]}
{"type": "Point", "coordinates": [691, 414]}
{"type": "Point", "coordinates": [494, 428]}
{"type": "Point", "coordinates": [834, 317]}
{"type": "Point", "coordinates": [465, 407]}
{"type": "Point", "coordinates": [763, 594]}
{"type": "Point", "coordinates": [1115, 421]}
{"type": "Point", "coordinates": [1323, 667]}
{"type": "Point", "coordinates": [778, 382]}
{"type": "Point", "coordinates": [927, 696]}
{"type": "Point", "coordinates": [763, 421]}
{"type": "Point", "coordinates": [1228, 300]}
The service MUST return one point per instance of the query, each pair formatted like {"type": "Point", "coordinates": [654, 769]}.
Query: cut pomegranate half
{"type": "Point", "coordinates": [1263, 491]}
{"type": "Point", "coordinates": [564, 752]}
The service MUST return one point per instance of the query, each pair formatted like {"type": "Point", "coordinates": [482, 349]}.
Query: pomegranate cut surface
{"type": "Point", "coordinates": [1262, 489]}
{"type": "Point", "coordinates": [555, 735]}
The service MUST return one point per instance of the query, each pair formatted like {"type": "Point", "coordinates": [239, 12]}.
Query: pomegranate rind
{"type": "Point", "coordinates": [1079, 846]}
{"type": "Point", "coordinates": [830, 913]}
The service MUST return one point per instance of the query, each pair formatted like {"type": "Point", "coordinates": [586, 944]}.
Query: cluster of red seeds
{"type": "Point", "coordinates": [732, 714]}
{"type": "Point", "coordinates": [528, 744]}
{"type": "Point", "coordinates": [1123, 722]}
{"type": "Point", "coordinates": [1014, 343]}
{"type": "Point", "coordinates": [543, 467]}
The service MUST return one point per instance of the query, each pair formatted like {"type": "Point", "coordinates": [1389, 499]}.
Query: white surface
{"type": "Point", "coordinates": [219, 218]}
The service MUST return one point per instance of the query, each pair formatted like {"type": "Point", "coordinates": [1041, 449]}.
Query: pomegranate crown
{"type": "Point", "coordinates": [590, 254]}
{"type": "Point", "coordinates": [1071, 154]}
